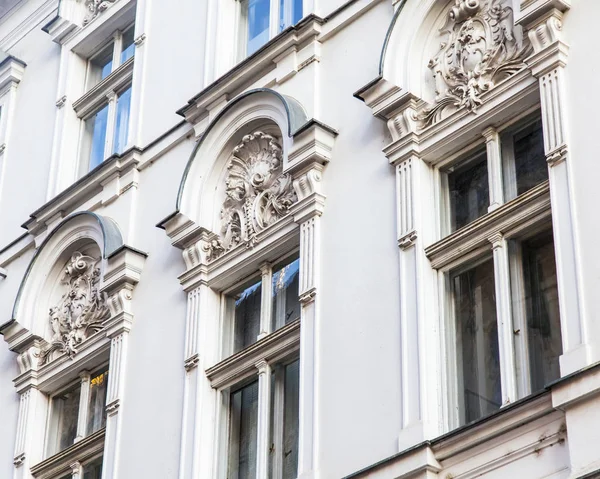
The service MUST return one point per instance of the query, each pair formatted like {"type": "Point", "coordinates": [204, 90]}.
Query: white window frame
{"type": "Point", "coordinates": [86, 447]}
{"type": "Point", "coordinates": [525, 215]}
{"type": "Point", "coordinates": [105, 92]}
{"type": "Point", "coordinates": [259, 361]}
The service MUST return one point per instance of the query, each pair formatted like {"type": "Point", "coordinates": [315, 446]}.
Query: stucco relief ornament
{"type": "Point", "coordinates": [257, 193]}
{"type": "Point", "coordinates": [479, 51]}
{"type": "Point", "coordinates": [80, 311]}
{"type": "Point", "coordinates": [95, 8]}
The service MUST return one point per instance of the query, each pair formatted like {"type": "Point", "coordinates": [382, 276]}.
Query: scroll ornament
{"type": "Point", "coordinates": [479, 51]}
{"type": "Point", "coordinates": [257, 193]}
{"type": "Point", "coordinates": [80, 311]}
{"type": "Point", "coordinates": [95, 8]}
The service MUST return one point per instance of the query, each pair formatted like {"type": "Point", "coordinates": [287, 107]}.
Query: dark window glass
{"type": "Point", "coordinates": [478, 363]}
{"type": "Point", "coordinates": [243, 431]}
{"type": "Point", "coordinates": [286, 306]}
{"type": "Point", "coordinates": [469, 192]}
{"type": "Point", "coordinates": [531, 168]}
{"type": "Point", "coordinates": [247, 316]}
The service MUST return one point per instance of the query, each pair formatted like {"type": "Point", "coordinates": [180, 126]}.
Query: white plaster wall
{"type": "Point", "coordinates": [583, 105]}
{"type": "Point", "coordinates": [30, 144]}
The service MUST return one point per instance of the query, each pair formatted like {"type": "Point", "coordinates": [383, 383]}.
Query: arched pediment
{"type": "Point", "coordinates": [446, 55]}
{"type": "Point", "coordinates": [59, 295]}
{"type": "Point", "coordinates": [249, 107]}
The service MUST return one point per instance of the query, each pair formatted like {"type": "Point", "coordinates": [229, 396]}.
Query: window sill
{"type": "Point", "coordinates": [97, 182]}
{"type": "Point", "coordinates": [60, 463]}
{"type": "Point", "coordinates": [283, 342]}
{"type": "Point", "coordinates": [530, 207]}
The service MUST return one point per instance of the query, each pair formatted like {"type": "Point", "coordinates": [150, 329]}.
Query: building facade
{"type": "Point", "coordinates": [183, 292]}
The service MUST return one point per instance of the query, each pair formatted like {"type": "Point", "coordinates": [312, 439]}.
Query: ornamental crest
{"type": "Point", "coordinates": [80, 311]}
{"type": "Point", "coordinates": [479, 50]}
{"type": "Point", "coordinates": [95, 8]}
{"type": "Point", "coordinates": [257, 193]}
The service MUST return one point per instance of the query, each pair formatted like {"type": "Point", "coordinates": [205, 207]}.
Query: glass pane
{"type": "Point", "coordinates": [95, 137]}
{"type": "Point", "coordinates": [65, 411]}
{"type": "Point", "coordinates": [255, 15]}
{"type": "Point", "coordinates": [101, 65]}
{"type": "Point", "coordinates": [247, 316]}
{"type": "Point", "coordinates": [128, 48]}
{"type": "Point", "coordinates": [243, 431]}
{"type": "Point", "coordinates": [290, 13]}
{"type": "Point", "coordinates": [97, 404]}
{"type": "Point", "coordinates": [530, 166]}
{"type": "Point", "coordinates": [93, 470]}
{"type": "Point", "coordinates": [469, 192]}
{"type": "Point", "coordinates": [478, 364]}
{"type": "Point", "coordinates": [286, 306]}
{"type": "Point", "coordinates": [543, 317]}
{"type": "Point", "coordinates": [291, 420]}
{"type": "Point", "coordinates": [122, 121]}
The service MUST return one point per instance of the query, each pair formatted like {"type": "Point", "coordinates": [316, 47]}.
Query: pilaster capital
{"type": "Point", "coordinates": [557, 156]}
{"type": "Point", "coordinates": [408, 240]}
{"type": "Point", "coordinates": [497, 240]}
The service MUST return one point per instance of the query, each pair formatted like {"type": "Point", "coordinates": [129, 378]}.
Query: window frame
{"type": "Point", "coordinates": [273, 350]}
{"type": "Point", "coordinates": [514, 219]}
{"type": "Point", "coordinates": [106, 92]}
{"type": "Point", "coordinates": [241, 27]}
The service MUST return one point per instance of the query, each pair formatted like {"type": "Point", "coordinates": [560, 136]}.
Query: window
{"type": "Point", "coordinates": [261, 20]}
{"type": "Point", "coordinates": [261, 319]}
{"type": "Point", "coordinates": [105, 107]}
{"type": "Point", "coordinates": [493, 192]}
{"type": "Point", "coordinates": [77, 412]}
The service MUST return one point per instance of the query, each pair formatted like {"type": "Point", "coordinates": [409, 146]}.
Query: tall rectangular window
{"type": "Point", "coordinates": [108, 96]}
{"type": "Point", "coordinates": [63, 425]}
{"type": "Point", "coordinates": [256, 17]}
{"type": "Point", "coordinates": [477, 350]}
{"type": "Point", "coordinates": [262, 322]}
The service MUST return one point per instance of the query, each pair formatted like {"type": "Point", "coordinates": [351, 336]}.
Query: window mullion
{"type": "Point", "coordinates": [263, 423]}
{"type": "Point", "coordinates": [266, 300]}
{"type": "Point", "coordinates": [110, 123]}
{"type": "Point", "coordinates": [76, 470]}
{"type": "Point", "coordinates": [274, 18]}
{"type": "Point", "coordinates": [494, 164]}
{"type": "Point", "coordinates": [84, 399]}
{"type": "Point", "coordinates": [504, 319]}
{"type": "Point", "coordinates": [118, 48]}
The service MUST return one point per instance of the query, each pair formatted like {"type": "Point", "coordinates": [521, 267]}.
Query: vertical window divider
{"type": "Point", "coordinates": [266, 298]}
{"type": "Point", "coordinates": [84, 399]}
{"type": "Point", "coordinates": [451, 347]}
{"type": "Point", "coordinates": [494, 164]}
{"type": "Point", "coordinates": [263, 423]}
{"type": "Point", "coordinates": [76, 470]}
{"type": "Point", "coordinates": [504, 318]}
{"type": "Point", "coordinates": [117, 49]}
{"type": "Point", "coordinates": [278, 416]}
{"type": "Point", "coordinates": [273, 18]}
{"type": "Point", "coordinates": [110, 123]}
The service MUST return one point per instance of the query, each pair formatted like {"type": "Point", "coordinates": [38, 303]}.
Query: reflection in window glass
{"type": "Point", "coordinates": [122, 122]}
{"type": "Point", "coordinates": [255, 21]}
{"type": "Point", "coordinates": [93, 470]}
{"type": "Point", "coordinates": [286, 306]}
{"type": "Point", "coordinates": [95, 132]}
{"type": "Point", "coordinates": [530, 167]}
{"type": "Point", "coordinates": [97, 403]}
{"type": "Point", "coordinates": [247, 316]}
{"type": "Point", "coordinates": [291, 420]}
{"type": "Point", "coordinates": [101, 65]}
{"type": "Point", "coordinates": [290, 13]}
{"type": "Point", "coordinates": [63, 426]}
{"type": "Point", "coordinates": [242, 432]}
{"type": "Point", "coordinates": [540, 302]}
{"type": "Point", "coordinates": [128, 48]}
{"type": "Point", "coordinates": [478, 363]}
{"type": "Point", "coordinates": [469, 192]}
